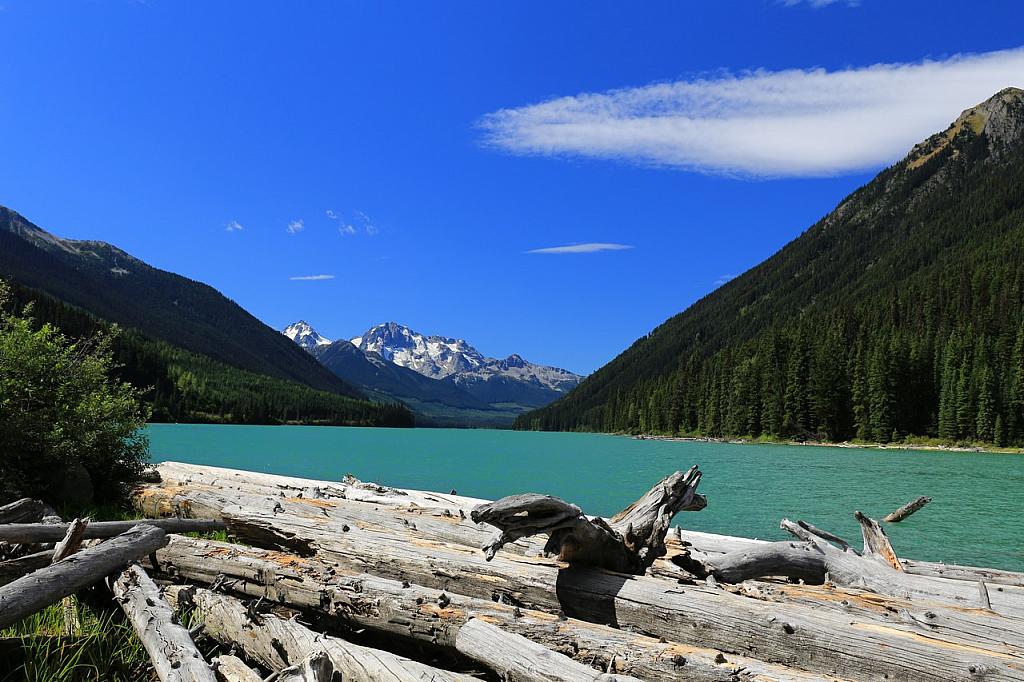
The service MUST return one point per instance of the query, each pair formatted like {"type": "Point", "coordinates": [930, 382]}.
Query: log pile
{"type": "Point", "coordinates": [354, 581]}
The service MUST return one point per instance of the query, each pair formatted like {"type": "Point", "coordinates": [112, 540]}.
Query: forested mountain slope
{"type": "Point", "coordinates": [117, 287]}
{"type": "Point", "coordinates": [900, 313]}
{"type": "Point", "coordinates": [182, 386]}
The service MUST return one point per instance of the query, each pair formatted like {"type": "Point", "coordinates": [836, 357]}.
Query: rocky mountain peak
{"type": "Point", "coordinates": [302, 333]}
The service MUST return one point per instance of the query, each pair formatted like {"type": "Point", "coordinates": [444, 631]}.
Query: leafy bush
{"type": "Point", "coordinates": [59, 408]}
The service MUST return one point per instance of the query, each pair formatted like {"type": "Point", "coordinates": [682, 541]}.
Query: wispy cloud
{"type": "Point", "coordinates": [346, 230]}
{"type": "Point", "coordinates": [762, 123]}
{"type": "Point", "coordinates": [310, 278]}
{"type": "Point", "coordinates": [820, 3]}
{"type": "Point", "coordinates": [296, 226]}
{"type": "Point", "coordinates": [589, 247]}
{"type": "Point", "coordinates": [331, 214]}
{"type": "Point", "coordinates": [234, 226]}
{"type": "Point", "coordinates": [723, 279]}
{"type": "Point", "coordinates": [368, 225]}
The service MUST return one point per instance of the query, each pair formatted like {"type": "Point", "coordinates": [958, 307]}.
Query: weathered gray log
{"type": "Point", "coordinates": [174, 655]}
{"type": "Point", "coordinates": [517, 659]}
{"type": "Point", "coordinates": [69, 545]}
{"type": "Point", "coordinates": [820, 640]}
{"type": "Point", "coordinates": [431, 615]}
{"type": "Point", "coordinates": [226, 485]}
{"type": "Point", "coordinates": [907, 509]}
{"type": "Point", "coordinates": [230, 668]}
{"type": "Point", "coordinates": [277, 643]}
{"type": "Point", "coordinates": [38, 532]}
{"type": "Point", "coordinates": [12, 569]}
{"type": "Point", "coordinates": [314, 668]}
{"type": "Point", "coordinates": [25, 510]}
{"type": "Point", "coordinates": [41, 588]}
{"type": "Point", "coordinates": [876, 542]}
{"type": "Point", "coordinates": [628, 543]}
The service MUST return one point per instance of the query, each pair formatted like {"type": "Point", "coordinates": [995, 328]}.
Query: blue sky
{"type": "Point", "coordinates": [430, 161]}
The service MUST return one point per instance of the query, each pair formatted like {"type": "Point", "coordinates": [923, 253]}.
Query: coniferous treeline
{"type": "Point", "coordinates": [899, 314]}
{"type": "Point", "coordinates": [181, 386]}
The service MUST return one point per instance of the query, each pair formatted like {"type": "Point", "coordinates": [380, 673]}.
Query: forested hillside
{"type": "Point", "coordinates": [184, 386]}
{"type": "Point", "coordinates": [119, 288]}
{"type": "Point", "coordinates": [899, 314]}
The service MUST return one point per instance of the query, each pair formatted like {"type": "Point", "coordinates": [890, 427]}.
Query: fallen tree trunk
{"type": "Point", "coordinates": [12, 569]}
{"type": "Point", "coordinates": [907, 509]}
{"type": "Point", "coordinates": [826, 641]}
{"type": "Point", "coordinates": [277, 643]}
{"type": "Point", "coordinates": [40, 532]}
{"type": "Point", "coordinates": [629, 542]}
{"type": "Point", "coordinates": [45, 586]}
{"type": "Point", "coordinates": [69, 545]}
{"type": "Point", "coordinates": [434, 616]}
{"type": "Point", "coordinates": [230, 668]}
{"type": "Point", "coordinates": [174, 655]}
{"type": "Point", "coordinates": [315, 668]}
{"type": "Point", "coordinates": [226, 485]}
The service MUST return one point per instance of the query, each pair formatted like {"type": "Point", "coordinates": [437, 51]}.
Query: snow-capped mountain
{"type": "Point", "coordinates": [441, 357]}
{"type": "Point", "coordinates": [303, 334]}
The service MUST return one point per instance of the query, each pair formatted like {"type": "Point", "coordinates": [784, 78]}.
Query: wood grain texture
{"type": "Point", "coordinates": [174, 655]}
{"type": "Point", "coordinates": [41, 532]}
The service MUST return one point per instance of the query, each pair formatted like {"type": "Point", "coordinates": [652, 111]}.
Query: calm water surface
{"type": "Point", "coordinates": [976, 516]}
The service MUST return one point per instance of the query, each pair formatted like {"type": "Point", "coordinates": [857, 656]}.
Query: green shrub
{"type": "Point", "coordinates": [59, 407]}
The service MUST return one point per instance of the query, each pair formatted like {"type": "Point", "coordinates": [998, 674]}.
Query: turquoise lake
{"type": "Point", "coordinates": [976, 516]}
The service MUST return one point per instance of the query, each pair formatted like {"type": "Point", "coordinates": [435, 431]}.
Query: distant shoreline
{"type": "Point", "coordinates": [992, 450]}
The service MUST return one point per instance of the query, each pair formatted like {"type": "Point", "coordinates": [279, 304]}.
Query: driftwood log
{"type": "Point", "coordinates": [206, 486]}
{"type": "Point", "coordinates": [907, 509]}
{"type": "Point", "coordinates": [434, 616]}
{"type": "Point", "coordinates": [277, 643]}
{"type": "Point", "coordinates": [12, 569]}
{"type": "Point", "coordinates": [174, 655]}
{"type": "Point", "coordinates": [628, 543]}
{"type": "Point", "coordinates": [41, 532]}
{"type": "Point", "coordinates": [315, 668]}
{"type": "Point", "coordinates": [824, 639]}
{"type": "Point", "coordinates": [230, 668]}
{"type": "Point", "coordinates": [62, 550]}
{"type": "Point", "coordinates": [48, 585]}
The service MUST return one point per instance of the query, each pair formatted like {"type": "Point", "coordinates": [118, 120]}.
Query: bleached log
{"type": "Point", "coordinates": [517, 659]}
{"type": "Point", "coordinates": [174, 655]}
{"type": "Point", "coordinates": [227, 484]}
{"type": "Point", "coordinates": [629, 542]}
{"type": "Point", "coordinates": [276, 643]}
{"type": "Point", "coordinates": [314, 668]}
{"type": "Point", "coordinates": [69, 545]}
{"type": "Point", "coordinates": [825, 641]}
{"type": "Point", "coordinates": [434, 616]}
{"type": "Point", "coordinates": [41, 532]}
{"type": "Point", "coordinates": [230, 668]}
{"type": "Point", "coordinates": [876, 542]}
{"type": "Point", "coordinates": [45, 586]}
{"type": "Point", "coordinates": [907, 509]}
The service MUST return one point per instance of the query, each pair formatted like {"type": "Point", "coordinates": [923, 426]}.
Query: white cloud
{"type": "Point", "coordinates": [234, 226]}
{"type": "Point", "coordinates": [762, 123]}
{"type": "Point", "coordinates": [346, 229]}
{"type": "Point", "coordinates": [723, 279]}
{"type": "Point", "coordinates": [331, 214]}
{"type": "Point", "coordinates": [820, 3]}
{"type": "Point", "coordinates": [368, 225]}
{"type": "Point", "coordinates": [310, 278]}
{"type": "Point", "coordinates": [590, 247]}
{"type": "Point", "coordinates": [296, 226]}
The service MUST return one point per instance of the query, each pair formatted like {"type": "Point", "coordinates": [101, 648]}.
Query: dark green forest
{"type": "Point", "coordinates": [897, 316]}
{"type": "Point", "coordinates": [182, 386]}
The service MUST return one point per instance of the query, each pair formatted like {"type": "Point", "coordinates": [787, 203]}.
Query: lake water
{"type": "Point", "coordinates": [976, 516]}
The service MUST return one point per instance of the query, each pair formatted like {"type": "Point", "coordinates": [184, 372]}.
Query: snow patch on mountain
{"type": "Point", "coordinates": [303, 334]}
{"type": "Point", "coordinates": [441, 357]}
